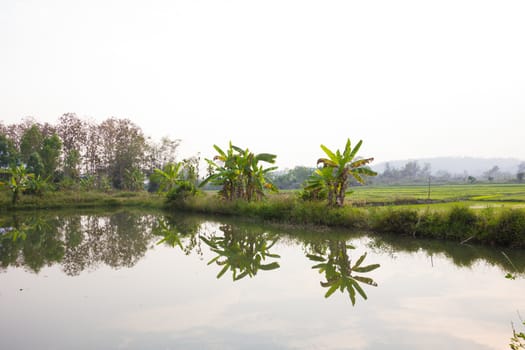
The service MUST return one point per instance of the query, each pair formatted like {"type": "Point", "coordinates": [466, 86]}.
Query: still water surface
{"type": "Point", "coordinates": [130, 280]}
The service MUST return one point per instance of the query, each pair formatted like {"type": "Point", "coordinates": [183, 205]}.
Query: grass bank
{"type": "Point", "coordinates": [456, 222]}
{"type": "Point", "coordinates": [81, 199]}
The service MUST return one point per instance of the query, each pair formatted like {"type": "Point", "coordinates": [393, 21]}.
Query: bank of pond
{"type": "Point", "coordinates": [165, 279]}
{"type": "Point", "coordinates": [474, 222]}
{"type": "Point", "coordinates": [455, 222]}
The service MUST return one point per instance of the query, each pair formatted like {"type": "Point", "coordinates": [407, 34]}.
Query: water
{"type": "Point", "coordinates": [103, 281]}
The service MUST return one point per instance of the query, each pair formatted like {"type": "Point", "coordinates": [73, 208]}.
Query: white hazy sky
{"type": "Point", "coordinates": [411, 78]}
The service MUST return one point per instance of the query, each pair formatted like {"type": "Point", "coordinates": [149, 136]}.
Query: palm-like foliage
{"type": "Point", "coordinates": [340, 273]}
{"type": "Point", "coordinates": [169, 176]}
{"type": "Point", "coordinates": [337, 171]}
{"type": "Point", "coordinates": [239, 173]}
{"type": "Point", "coordinates": [243, 254]}
{"type": "Point", "coordinates": [19, 181]}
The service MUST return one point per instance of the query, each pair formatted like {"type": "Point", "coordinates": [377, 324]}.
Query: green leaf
{"type": "Point", "coordinates": [351, 293]}
{"type": "Point", "coordinates": [359, 261]}
{"type": "Point", "coordinates": [365, 280]}
{"type": "Point", "coordinates": [359, 289]}
{"type": "Point", "coordinates": [214, 260]}
{"type": "Point", "coordinates": [327, 162]}
{"type": "Point", "coordinates": [366, 268]}
{"type": "Point", "coordinates": [268, 267]}
{"type": "Point", "coordinates": [355, 150]}
{"type": "Point", "coordinates": [223, 271]}
{"type": "Point", "coordinates": [315, 257]}
{"type": "Point", "coordinates": [329, 153]}
{"type": "Point", "coordinates": [241, 276]}
{"type": "Point", "coordinates": [331, 291]}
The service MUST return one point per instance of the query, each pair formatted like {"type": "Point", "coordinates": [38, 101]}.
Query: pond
{"type": "Point", "coordinates": [149, 280]}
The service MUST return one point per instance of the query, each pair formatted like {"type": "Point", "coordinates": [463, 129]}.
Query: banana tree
{"type": "Point", "coordinates": [239, 173]}
{"type": "Point", "coordinates": [339, 271]}
{"type": "Point", "coordinates": [19, 181]}
{"type": "Point", "coordinates": [168, 177]}
{"type": "Point", "coordinates": [339, 168]}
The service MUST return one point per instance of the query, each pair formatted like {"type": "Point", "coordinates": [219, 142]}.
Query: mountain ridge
{"type": "Point", "coordinates": [475, 166]}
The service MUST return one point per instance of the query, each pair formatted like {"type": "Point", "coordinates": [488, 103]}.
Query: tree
{"type": "Point", "coordinates": [492, 173]}
{"type": "Point", "coordinates": [521, 172]}
{"type": "Point", "coordinates": [239, 173]}
{"type": "Point", "coordinates": [35, 164]}
{"type": "Point", "coordinates": [8, 153]}
{"type": "Point", "coordinates": [337, 170]}
{"type": "Point", "coordinates": [291, 178]}
{"type": "Point", "coordinates": [123, 148]}
{"type": "Point", "coordinates": [18, 182]}
{"type": "Point", "coordinates": [168, 177]}
{"type": "Point", "coordinates": [73, 132]}
{"type": "Point", "coordinates": [30, 142]}
{"type": "Point", "coordinates": [50, 155]}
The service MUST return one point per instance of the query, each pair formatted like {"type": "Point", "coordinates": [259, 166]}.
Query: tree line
{"type": "Point", "coordinates": [112, 154]}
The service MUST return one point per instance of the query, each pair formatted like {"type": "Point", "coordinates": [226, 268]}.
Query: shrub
{"type": "Point", "coordinates": [462, 222]}
{"type": "Point", "coordinates": [509, 228]}
{"type": "Point", "coordinates": [400, 221]}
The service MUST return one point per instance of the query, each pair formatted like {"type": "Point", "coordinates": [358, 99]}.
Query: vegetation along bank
{"type": "Point", "coordinates": [79, 164]}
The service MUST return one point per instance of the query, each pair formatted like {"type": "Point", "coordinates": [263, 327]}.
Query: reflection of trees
{"type": "Point", "coordinates": [339, 272]}
{"type": "Point", "coordinates": [77, 242]}
{"type": "Point", "coordinates": [511, 261]}
{"type": "Point", "coordinates": [518, 339]}
{"type": "Point", "coordinates": [241, 251]}
{"type": "Point", "coordinates": [174, 231]}
{"type": "Point", "coordinates": [32, 243]}
{"type": "Point", "coordinates": [119, 240]}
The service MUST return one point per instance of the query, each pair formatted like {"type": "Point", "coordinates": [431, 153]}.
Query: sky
{"type": "Point", "coordinates": [412, 79]}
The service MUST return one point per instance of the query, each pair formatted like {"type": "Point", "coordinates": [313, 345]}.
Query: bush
{"type": "Point", "coordinates": [400, 221]}
{"type": "Point", "coordinates": [462, 223]}
{"type": "Point", "coordinates": [509, 229]}
{"type": "Point", "coordinates": [181, 192]}
{"type": "Point", "coordinates": [432, 224]}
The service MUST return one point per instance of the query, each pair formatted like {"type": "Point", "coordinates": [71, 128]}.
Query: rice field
{"type": "Point", "coordinates": [476, 196]}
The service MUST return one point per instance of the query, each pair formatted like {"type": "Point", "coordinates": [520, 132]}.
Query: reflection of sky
{"type": "Point", "coordinates": [172, 301]}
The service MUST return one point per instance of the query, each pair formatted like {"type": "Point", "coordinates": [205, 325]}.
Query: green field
{"type": "Point", "coordinates": [475, 196]}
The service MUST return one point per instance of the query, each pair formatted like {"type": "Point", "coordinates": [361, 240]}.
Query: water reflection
{"type": "Point", "coordinates": [509, 261]}
{"type": "Point", "coordinates": [416, 306]}
{"type": "Point", "coordinates": [242, 252]}
{"type": "Point", "coordinates": [76, 242]}
{"type": "Point", "coordinates": [339, 272]}
{"type": "Point", "coordinates": [121, 239]}
{"type": "Point", "coordinates": [178, 232]}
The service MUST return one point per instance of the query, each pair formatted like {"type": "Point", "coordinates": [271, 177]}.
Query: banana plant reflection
{"type": "Point", "coordinates": [339, 271]}
{"type": "Point", "coordinates": [241, 252]}
{"type": "Point", "coordinates": [179, 232]}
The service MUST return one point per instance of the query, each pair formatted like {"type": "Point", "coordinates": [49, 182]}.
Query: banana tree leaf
{"type": "Point", "coordinates": [266, 157]}
{"type": "Point", "coordinates": [359, 261]}
{"type": "Point", "coordinates": [358, 288]}
{"type": "Point", "coordinates": [223, 271]}
{"type": "Point", "coordinates": [368, 268]}
{"type": "Point", "coordinates": [351, 293]}
{"type": "Point", "coordinates": [268, 267]}
{"type": "Point", "coordinates": [315, 258]}
{"type": "Point", "coordinates": [329, 153]}
{"type": "Point", "coordinates": [355, 150]}
{"type": "Point", "coordinates": [331, 291]}
{"type": "Point", "coordinates": [327, 162]}
{"type": "Point", "coordinates": [365, 280]}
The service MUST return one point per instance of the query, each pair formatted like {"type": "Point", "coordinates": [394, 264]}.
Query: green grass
{"type": "Point", "coordinates": [450, 193]}
{"type": "Point", "coordinates": [81, 199]}
{"type": "Point", "coordinates": [458, 215]}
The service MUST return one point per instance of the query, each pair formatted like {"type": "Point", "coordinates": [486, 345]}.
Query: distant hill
{"type": "Point", "coordinates": [457, 165]}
